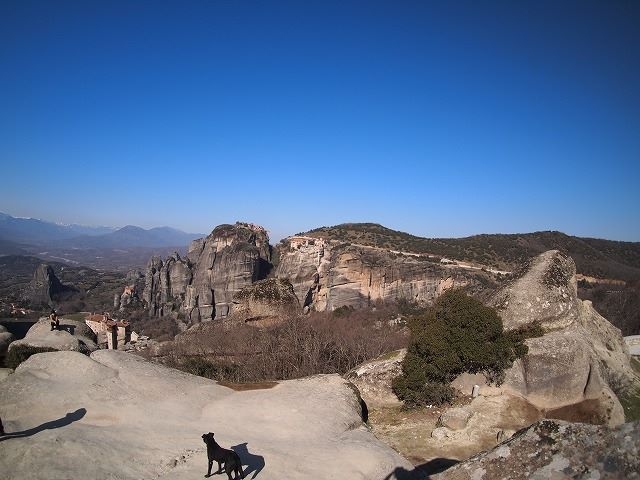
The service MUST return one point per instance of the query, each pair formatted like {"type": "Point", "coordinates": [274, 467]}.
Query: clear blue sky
{"type": "Point", "coordinates": [442, 119]}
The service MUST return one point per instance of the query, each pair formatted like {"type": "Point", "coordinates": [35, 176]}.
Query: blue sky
{"type": "Point", "coordinates": [442, 119]}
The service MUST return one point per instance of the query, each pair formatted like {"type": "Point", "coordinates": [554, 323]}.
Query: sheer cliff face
{"type": "Point", "coordinates": [326, 275]}
{"type": "Point", "coordinates": [201, 287]}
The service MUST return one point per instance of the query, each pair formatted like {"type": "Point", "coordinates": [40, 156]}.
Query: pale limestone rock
{"type": "Point", "coordinates": [455, 418]}
{"type": "Point", "coordinates": [136, 419]}
{"type": "Point", "coordinates": [374, 378]}
{"type": "Point", "coordinates": [73, 335]}
{"type": "Point", "coordinates": [553, 449]}
{"type": "Point", "coordinates": [328, 274]}
{"type": "Point", "coordinates": [581, 358]}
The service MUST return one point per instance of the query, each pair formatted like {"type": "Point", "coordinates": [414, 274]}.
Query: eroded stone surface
{"type": "Point", "coordinates": [73, 335]}
{"type": "Point", "coordinates": [582, 357]}
{"type": "Point", "coordinates": [117, 416]}
{"type": "Point", "coordinates": [328, 274]}
{"type": "Point", "coordinates": [202, 286]}
{"type": "Point", "coordinates": [559, 450]}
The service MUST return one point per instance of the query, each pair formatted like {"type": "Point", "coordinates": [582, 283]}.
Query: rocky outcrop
{"type": "Point", "coordinates": [128, 296]}
{"type": "Point", "coordinates": [201, 286]}
{"type": "Point", "coordinates": [545, 293]}
{"type": "Point", "coordinates": [73, 335]}
{"type": "Point", "coordinates": [45, 289]}
{"type": "Point", "coordinates": [6, 338]}
{"type": "Point", "coordinates": [582, 358]}
{"type": "Point", "coordinates": [559, 450]}
{"type": "Point", "coordinates": [374, 379]}
{"type": "Point", "coordinates": [328, 274]}
{"type": "Point", "coordinates": [90, 417]}
{"type": "Point", "coordinates": [269, 299]}
{"type": "Point", "coordinates": [570, 373]}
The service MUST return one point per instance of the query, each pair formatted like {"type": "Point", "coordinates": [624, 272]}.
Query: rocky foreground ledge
{"type": "Point", "coordinates": [554, 449]}
{"type": "Point", "coordinates": [114, 415]}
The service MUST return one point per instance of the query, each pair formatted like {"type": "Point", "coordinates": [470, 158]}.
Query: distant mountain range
{"type": "Point", "coordinates": [101, 248]}
{"type": "Point", "coordinates": [16, 234]}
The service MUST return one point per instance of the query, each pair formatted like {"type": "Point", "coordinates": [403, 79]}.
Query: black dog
{"type": "Point", "coordinates": [229, 458]}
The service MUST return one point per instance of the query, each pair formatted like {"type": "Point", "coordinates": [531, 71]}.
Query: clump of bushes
{"type": "Point", "coordinates": [458, 334]}
{"type": "Point", "coordinates": [294, 347]}
{"type": "Point", "coordinates": [19, 353]}
{"type": "Point", "coordinates": [208, 369]}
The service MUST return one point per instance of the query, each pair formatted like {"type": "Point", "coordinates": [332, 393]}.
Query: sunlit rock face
{"type": "Point", "coordinates": [557, 449]}
{"type": "Point", "coordinates": [201, 286]}
{"type": "Point", "coordinates": [581, 360]}
{"type": "Point", "coordinates": [327, 274]}
{"type": "Point", "coordinates": [63, 408]}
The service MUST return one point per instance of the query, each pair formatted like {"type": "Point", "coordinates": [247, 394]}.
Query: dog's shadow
{"type": "Point", "coordinates": [254, 462]}
{"type": "Point", "coordinates": [68, 419]}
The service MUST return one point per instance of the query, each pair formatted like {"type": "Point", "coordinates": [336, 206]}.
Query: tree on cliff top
{"type": "Point", "coordinates": [458, 334]}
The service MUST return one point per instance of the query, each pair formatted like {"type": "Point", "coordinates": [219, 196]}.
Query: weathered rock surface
{"type": "Point", "coordinates": [374, 378]}
{"type": "Point", "coordinates": [456, 418]}
{"type": "Point", "coordinates": [581, 358]}
{"type": "Point", "coordinates": [265, 300]}
{"type": "Point", "coordinates": [439, 432]}
{"type": "Point", "coordinates": [201, 287]}
{"type": "Point", "coordinates": [73, 335]}
{"type": "Point", "coordinates": [45, 288]}
{"type": "Point", "coordinates": [552, 449]}
{"type": "Point", "coordinates": [569, 373]}
{"type": "Point", "coordinates": [117, 416]}
{"type": "Point", "coordinates": [6, 338]}
{"type": "Point", "coordinates": [328, 274]}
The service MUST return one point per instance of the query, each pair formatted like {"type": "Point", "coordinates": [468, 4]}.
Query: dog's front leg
{"type": "Point", "coordinates": [209, 469]}
{"type": "Point", "coordinates": [220, 467]}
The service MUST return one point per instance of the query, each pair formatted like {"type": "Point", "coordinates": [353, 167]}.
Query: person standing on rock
{"type": "Point", "coordinates": [55, 321]}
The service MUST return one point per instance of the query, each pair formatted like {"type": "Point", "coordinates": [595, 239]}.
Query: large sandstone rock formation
{"type": "Point", "coordinates": [115, 415]}
{"type": "Point", "coordinates": [73, 335]}
{"type": "Point", "coordinates": [327, 274]}
{"type": "Point", "coordinates": [45, 288]}
{"type": "Point", "coordinates": [266, 300]}
{"type": "Point", "coordinates": [581, 358]}
{"type": "Point", "coordinates": [6, 338]}
{"type": "Point", "coordinates": [201, 286]}
{"type": "Point", "coordinates": [570, 373]}
{"type": "Point", "coordinates": [552, 449]}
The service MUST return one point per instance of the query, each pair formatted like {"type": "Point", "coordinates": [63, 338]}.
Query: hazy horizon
{"type": "Point", "coordinates": [272, 238]}
{"type": "Point", "coordinates": [437, 119]}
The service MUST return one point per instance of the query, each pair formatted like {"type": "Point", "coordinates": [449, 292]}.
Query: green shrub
{"type": "Point", "coordinates": [458, 334]}
{"type": "Point", "coordinates": [20, 353]}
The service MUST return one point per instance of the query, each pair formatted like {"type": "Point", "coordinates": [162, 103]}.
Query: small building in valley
{"type": "Point", "coordinates": [111, 333]}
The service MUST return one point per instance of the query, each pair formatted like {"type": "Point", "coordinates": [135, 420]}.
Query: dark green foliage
{"type": "Point", "coordinates": [20, 353]}
{"type": "Point", "coordinates": [459, 334]}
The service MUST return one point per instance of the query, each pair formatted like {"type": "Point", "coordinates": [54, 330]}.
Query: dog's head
{"type": "Point", "coordinates": [207, 437]}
